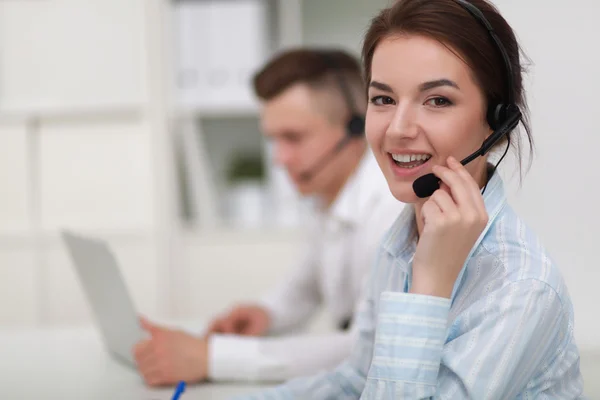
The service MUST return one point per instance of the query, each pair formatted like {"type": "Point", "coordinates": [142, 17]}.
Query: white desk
{"type": "Point", "coordinates": [71, 364]}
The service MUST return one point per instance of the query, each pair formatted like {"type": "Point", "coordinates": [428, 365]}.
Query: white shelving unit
{"type": "Point", "coordinates": [219, 120]}
{"type": "Point", "coordinates": [217, 110]}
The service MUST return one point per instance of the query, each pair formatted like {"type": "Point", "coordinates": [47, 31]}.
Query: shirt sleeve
{"type": "Point", "coordinates": [243, 358]}
{"type": "Point", "coordinates": [516, 329]}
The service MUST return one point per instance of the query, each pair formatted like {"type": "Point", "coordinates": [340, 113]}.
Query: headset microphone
{"type": "Point", "coordinates": [501, 117]}
{"type": "Point", "coordinates": [307, 175]}
{"type": "Point", "coordinates": [355, 127]}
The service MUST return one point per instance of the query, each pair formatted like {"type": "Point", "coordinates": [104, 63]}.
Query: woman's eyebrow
{"type": "Point", "coordinates": [437, 83]}
{"type": "Point", "coordinates": [381, 86]}
{"type": "Point", "coordinates": [422, 87]}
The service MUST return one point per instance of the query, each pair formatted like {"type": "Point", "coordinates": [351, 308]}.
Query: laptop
{"type": "Point", "coordinates": [106, 292]}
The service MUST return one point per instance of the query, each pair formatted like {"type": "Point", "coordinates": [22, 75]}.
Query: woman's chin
{"type": "Point", "coordinates": [404, 192]}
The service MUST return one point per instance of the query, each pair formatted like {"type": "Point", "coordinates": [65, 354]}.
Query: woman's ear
{"type": "Point", "coordinates": [486, 125]}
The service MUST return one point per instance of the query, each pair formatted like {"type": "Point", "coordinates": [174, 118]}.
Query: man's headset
{"type": "Point", "coordinates": [355, 126]}
{"type": "Point", "coordinates": [502, 117]}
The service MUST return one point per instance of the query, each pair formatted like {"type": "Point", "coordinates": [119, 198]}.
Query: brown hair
{"type": "Point", "coordinates": [315, 67]}
{"type": "Point", "coordinates": [451, 24]}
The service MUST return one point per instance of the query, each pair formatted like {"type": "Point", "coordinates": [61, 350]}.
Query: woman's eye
{"type": "Point", "coordinates": [439, 102]}
{"type": "Point", "coordinates": [382, 100]}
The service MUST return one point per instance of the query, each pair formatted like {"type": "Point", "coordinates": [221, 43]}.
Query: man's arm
{"type": "Point", "coordinates": [273, 359]}
{"type": "Point", "coordinates": [342, 383]}
{"type": "Point", "coordinates": [287, 357]}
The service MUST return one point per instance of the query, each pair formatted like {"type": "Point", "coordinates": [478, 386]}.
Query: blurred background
{"type": "Point", "coordinates": [134, 121]}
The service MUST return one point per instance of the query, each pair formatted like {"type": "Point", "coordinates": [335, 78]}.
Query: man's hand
{"type": "Point", "coordinates": [243, 320]}
{"type": "Point", "coordinates": [170, 356]}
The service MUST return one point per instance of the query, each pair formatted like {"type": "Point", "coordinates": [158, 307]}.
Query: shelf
{"type": "Point", "coordinates": [40, 113]}
{"type": "Point", "coordinates": [19, 238]}
{"type": "Point", "coordinates": [231, 125]}
{"type": "Point", "coordinates": [209, 198]}
{"type": "Point", "coordinates": [216, 236]}
{"type": "Point", "coordinates": [323, 23]}
{"type": "Point", "coordinates": [217, 69]}
{"type": "Point", "coordinates": [190, 235]}
{"type": "Point", "coordinates": [216, 111]}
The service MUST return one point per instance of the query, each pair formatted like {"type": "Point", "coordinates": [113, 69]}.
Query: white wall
{"type": "Point", "coordinates": [67, 53]}
{"type": "Point", "coordinates": [76, 151]}
{"type": "Point", "coordinates": [558, 197]}
{"type": "Point", "coordinates": [59, 61]}
{"type": "Point", "coordinates": [14, 171]}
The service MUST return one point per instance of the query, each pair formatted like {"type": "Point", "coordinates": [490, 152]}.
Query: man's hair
{"type": "Point", "coordinates": [319, 69]}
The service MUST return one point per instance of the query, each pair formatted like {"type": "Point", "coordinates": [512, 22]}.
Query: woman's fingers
{"type": "Point", "coordinates": [445, 202]}
{"type": "Point", "coordinates": [430, 213]}
{"type": "Point", "coordinates": [471, 185]}
{"type": "Point", "coordinates": [458, 188]}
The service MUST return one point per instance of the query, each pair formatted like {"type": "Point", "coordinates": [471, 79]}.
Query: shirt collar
{"type": "Point", "coordinates": [401, 240]}
{"type": "Point", "coordinates": [358, 191]}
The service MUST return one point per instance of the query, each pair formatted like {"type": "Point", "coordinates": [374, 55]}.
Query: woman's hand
{"type": "Point", "coordinates": [452, 219]}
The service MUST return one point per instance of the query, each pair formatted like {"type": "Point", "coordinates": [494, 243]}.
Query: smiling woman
{"type": "Point", "coordinates": [464, 301]}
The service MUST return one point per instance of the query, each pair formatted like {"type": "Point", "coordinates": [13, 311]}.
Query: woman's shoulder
{"type": "Point", "coordinates": [516, 253]}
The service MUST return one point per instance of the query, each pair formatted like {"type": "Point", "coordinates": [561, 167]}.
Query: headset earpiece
{"type": "Point", "coordinates": [356, 126]}
{"type": "Point", "coordinates": [497, 113]}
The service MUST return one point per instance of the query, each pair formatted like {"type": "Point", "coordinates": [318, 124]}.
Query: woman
{"type": "Point", "coordinates": [464, 302]}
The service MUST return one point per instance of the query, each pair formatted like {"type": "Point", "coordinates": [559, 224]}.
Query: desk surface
{"type": "Point", "coordinates": [71, 364]}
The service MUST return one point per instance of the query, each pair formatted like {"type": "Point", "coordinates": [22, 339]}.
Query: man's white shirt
{"type": "Point", "coordinates": [330, 272]}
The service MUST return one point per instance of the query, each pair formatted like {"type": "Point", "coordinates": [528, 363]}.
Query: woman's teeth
{"type": "Point", "coordinates": [410, 160]}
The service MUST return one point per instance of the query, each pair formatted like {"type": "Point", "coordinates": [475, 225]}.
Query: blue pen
{"type": "Point", "coordinates": [179, 390]}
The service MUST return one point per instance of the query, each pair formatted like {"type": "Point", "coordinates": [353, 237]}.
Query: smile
{"type": "Point", "coordinates": [406, 166]}
{"type": "Point", "coordinates": [410, 160]}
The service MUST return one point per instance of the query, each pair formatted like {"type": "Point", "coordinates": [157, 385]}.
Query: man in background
{"type": "Point", "coordinates": [313, 103]}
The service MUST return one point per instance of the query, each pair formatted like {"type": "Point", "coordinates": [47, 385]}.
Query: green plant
{"type": "Point", "coordinates": [244, 167]}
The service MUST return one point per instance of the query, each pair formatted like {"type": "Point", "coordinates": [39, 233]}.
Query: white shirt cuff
{"type": "Point", "coordinates": [233, 357]}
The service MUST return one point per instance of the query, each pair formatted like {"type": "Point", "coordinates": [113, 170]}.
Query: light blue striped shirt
{"type": "Point", "coordinates": [506, 332]}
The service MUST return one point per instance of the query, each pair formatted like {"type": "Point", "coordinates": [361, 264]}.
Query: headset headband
{"type": "Point", "coordinates": [478, 15]}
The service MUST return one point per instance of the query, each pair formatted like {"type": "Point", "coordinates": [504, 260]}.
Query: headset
{"type": "Point", "coordinates": [502, 117]}
{"type": "Point", "coordinates": [355, 126]}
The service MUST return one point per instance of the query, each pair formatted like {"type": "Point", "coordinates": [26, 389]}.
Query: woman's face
{"type": "Point", "coordinates": [424, 106]}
